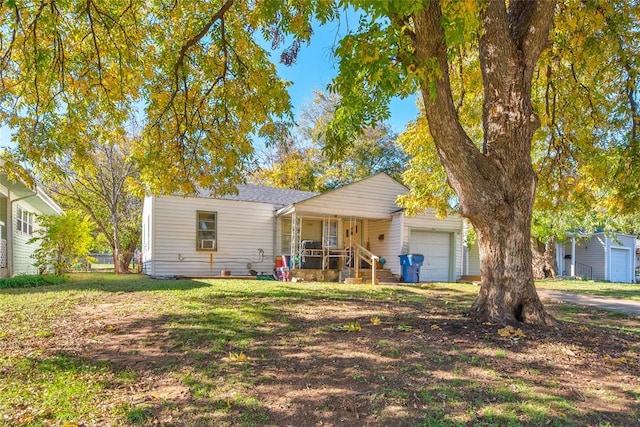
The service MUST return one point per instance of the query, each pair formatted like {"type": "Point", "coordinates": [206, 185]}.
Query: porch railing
{"type": "Point", "coordinates": [583, 270]}
{"type": "Point", "coordinates": [3, 253]}
{"type": "Point", "coordinates": [364, 254]}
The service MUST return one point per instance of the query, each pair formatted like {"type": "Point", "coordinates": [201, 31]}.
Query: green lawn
{"type": "Point", "coordinates": [128, 350]}
{"type": "Point", "coordinates": [606, 289]}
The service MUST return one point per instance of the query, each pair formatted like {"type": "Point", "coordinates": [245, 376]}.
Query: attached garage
{"type": "Point", "coordinates": [437, 250]}
{"type": "Point", "coordinates": [620, 265]}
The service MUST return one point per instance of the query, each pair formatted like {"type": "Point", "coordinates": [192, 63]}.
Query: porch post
{"type": "Point", "coordinates": [373, 271]}
{"type": "Point", "coordinates": [573, 255]}
{"type": "Point", "coordinates": [294, 243]}
{"type": "Point", "coordinates": [356, 261]}
{"type": "Point", "coordinates": [560, 258]}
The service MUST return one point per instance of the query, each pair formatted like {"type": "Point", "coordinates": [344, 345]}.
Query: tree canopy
{"type": "Point", "coordinates": [195, 73]}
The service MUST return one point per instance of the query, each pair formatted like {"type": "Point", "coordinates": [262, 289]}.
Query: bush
{"type": "Point", "coordinates": [31, 281]}
{"type": "Point", "coordinates": [64, 241]}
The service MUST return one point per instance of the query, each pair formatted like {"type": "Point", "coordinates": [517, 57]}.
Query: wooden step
{"type": "Point", "coordinates": [382, 275]}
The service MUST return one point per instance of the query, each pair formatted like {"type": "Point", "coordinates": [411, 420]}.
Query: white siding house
{"type": "Point", "coordinates": [202, 236]}
{"type": "Point", "coordinates": [19, 208]}
{"type": "Point", "coordinates": [313, 231]}
{"type": "Point", "coordinates": [598, 256]}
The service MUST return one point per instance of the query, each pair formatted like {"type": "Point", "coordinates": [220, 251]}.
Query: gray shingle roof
{"type": "Point", "coordinates": [276, 196]}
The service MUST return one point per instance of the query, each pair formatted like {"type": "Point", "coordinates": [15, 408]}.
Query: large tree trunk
{"type": "Point", "coordinates": [127, 256]}
{"type": "Point", "coordinates": [496, 185]}
{"type": "Point", "coordinates": [544, 255]}
{"type": "Point", "coordinates": [507, 293]}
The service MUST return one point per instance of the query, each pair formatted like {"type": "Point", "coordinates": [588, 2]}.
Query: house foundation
{"type": "Point", "coordinates": [315, 275]}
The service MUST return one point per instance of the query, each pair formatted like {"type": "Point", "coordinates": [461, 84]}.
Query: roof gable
{"type": "Point", "coordinates": [372, 197]}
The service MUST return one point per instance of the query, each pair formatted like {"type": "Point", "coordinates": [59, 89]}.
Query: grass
{"type": "Point", "coordinates": [203, 350]}
{"type": "Point", "coordinates": [40, 389]}
{"type": "Point", "coordinates": [612, 290]}
{"type": "Point", "coordinates": [31, 281]}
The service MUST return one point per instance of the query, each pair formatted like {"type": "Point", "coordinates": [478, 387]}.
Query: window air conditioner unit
{"type": "Point", "coordinates": [207, 243]}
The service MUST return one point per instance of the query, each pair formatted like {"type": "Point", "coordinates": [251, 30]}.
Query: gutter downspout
{"type": "Point", "coordinates": [10, 229]}
{"type": "Point", "coordinates": [607, 260]}
{"type": "Point", "coordinates": [573, 255]}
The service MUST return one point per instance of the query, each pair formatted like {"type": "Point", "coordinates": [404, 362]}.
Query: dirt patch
{"type": "Point", "coordinates": [323, 362]}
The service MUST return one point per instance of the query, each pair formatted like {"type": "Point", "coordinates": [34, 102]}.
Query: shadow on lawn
{"type": "Point", "coordinates": [108, 282]}
{"type": "Point", "coordinates": [260, 359]}
{"type": "Point", "coordinates": [306, 354]}
{"type": "Point", "coordinates": [112, 283]}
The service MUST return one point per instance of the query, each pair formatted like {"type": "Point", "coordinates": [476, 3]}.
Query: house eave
{"type": "Point", "coordinates": [37, 198]}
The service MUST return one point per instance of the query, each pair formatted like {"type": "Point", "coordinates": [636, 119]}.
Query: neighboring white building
{"type": "Point", "coordinates": [19, 207]}
{"type": "Point", "coordinates": [598, 256]}
{"type": "Point", "coordinates": [202, 236]}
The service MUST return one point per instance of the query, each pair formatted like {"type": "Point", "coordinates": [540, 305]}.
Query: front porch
{"type": "Point", "coordinates": [330, 248]}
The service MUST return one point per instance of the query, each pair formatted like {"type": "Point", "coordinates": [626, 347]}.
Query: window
{"type": "Point", "coordinates": [206, 231]}
{"type": "Point", "coordinates": [330, 233]}
{"type": "Point", "coordinates": [24, 221]}
{"type": "Point", "coordinates": [286, 235]}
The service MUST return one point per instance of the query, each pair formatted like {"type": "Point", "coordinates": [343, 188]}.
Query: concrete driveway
{"type": "Point", "coordinates": [603, 303]}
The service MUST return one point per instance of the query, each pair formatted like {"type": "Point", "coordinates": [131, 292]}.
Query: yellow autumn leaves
{"type": "Point", "coordinates": [511, 332]}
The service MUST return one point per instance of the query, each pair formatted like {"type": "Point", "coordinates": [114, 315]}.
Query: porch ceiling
{"type": "Point", "coordinates": [346, 212]}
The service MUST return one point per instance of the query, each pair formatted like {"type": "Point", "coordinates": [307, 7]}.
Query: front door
{"type": "Point", "coordinates": [352, 231]}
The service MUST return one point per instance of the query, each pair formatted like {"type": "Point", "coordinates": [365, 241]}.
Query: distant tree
{"type": "Point", "coordinates": [64, 241]}
{"type": "Point", "coordinates": [103, 186]}
{"type": "Point", "coordinates": [289, 166]}
{"type": "Point", "coordinates": [304, 165]}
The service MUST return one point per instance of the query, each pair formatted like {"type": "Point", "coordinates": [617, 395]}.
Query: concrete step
{"type": "Point", "coordinates": [468, 278]}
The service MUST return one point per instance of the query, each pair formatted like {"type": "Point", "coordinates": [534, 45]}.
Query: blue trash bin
{"type": "Point", "coordinates": [417, 260]}
{"type": "Point", "coordinates": [411, 267]}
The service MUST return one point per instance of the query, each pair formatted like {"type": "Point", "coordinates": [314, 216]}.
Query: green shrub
{"type": "Point", "coordinates": [64, 241]}
{"type": "Point", "coordinates": [31, 281]}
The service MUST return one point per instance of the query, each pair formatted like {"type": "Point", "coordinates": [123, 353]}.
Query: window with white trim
{"type": "Point", "coordinates": [206, 231]}
{"type": "Point", "coordinates": [286, 235]}
{"type": "Point", "coordinates": [24, 221]}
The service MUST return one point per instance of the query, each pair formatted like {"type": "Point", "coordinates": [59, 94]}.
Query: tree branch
{"type": "Point", "coordinates": [529, 21]}
{"type": "Point", "coordinates": [456, 150]}
{"type": "Point", "coordinates": [219, 15]}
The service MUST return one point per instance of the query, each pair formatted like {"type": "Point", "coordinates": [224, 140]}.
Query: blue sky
{"type": "Point", "coordinates": [315, 67]}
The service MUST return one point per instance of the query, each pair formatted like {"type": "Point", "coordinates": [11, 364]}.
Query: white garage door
{"type": "Point", "coordinates": [436, 250]}
{"type": "Point", "coordinates": [620, 270]}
